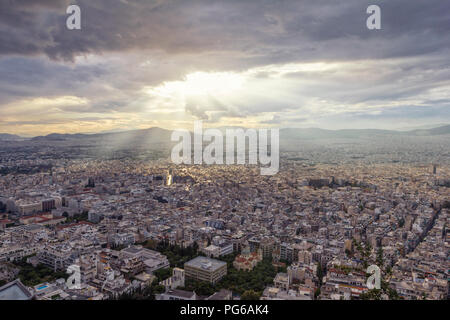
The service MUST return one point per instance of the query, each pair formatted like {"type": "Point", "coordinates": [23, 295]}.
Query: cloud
{"type": "Point", "coordinates": [301, 62]}
{"type": "Point", "coordinates": [265, 31]}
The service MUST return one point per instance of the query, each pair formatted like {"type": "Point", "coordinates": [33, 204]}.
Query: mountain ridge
{"type": "Point", "coordinates": [286, 132]}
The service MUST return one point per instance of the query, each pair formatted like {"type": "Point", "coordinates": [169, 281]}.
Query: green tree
{"type": "Point", "coordinates": [319, 273]}
{"type": "Point", "coordinates": [373, 294]}
{"type": "Point", "coordinates": [380, 260]}
{"type": "Point", "coordinates": [163, 274]}
{"type": "Point", "coordinates": [250, 295]}
{"type": "Point", "coordinates": [316, 293]}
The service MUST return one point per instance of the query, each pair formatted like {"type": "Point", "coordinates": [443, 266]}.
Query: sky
{"type": "Point", "coordinates": [262, 63]}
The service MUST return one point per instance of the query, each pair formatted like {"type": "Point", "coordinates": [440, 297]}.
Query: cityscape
{"type": "Point", "coordinates": [140, 228]}
{"type": "Point", "coordinates": [93, 206]}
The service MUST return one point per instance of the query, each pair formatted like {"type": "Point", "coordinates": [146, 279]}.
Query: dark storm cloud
{"type": "Point", "coordinates": [22, 78]}
{"type": "Point", "coordinates": [25, 25]}
{"type": "Point", "coordinates": [269, 31]}
{"type": "Point", "coordinates": [127, 46]}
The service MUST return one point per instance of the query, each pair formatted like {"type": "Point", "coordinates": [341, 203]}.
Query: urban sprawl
{"type": "Point", "coordinates": [152, 230]}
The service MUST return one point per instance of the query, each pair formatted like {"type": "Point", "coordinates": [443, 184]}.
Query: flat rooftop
{"type": "Point", "coordinates": [132, 250]}
{"type": "Point", "coordinates": [180, 293]}
{"type": "Point", "coordinates": [14, 291]}
{"type": "Point", "coordinates": [205, 263]}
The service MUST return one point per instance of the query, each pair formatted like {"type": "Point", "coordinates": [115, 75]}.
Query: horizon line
{"type": "Point", "coordinates": [113, 131]}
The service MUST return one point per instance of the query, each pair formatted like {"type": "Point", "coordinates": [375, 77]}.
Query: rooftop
{"type": "Point", "coordinates": [205, 263]}
{"type": "Point", "coordinates": [14, 290]}
{"type": "Point", "coordinates": [180, 293]}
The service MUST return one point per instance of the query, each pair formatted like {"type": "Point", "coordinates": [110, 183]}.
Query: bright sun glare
{"type": "Point", "coordinates": [201, 83]}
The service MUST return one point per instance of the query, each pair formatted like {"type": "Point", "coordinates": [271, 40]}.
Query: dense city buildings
{"type": "Point", "coordinates": [199, 150]}
{"type": "Point", "coordinates": [318, 225]}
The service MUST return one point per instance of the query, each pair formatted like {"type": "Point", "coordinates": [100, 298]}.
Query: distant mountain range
{"type": "Point", "coordinates": [158, 135]}
{"type": "Point", "coordinates": [432, 132]}
{"type": "Point", "coordinates": [314, 133]}
{"type": "Point", "coordinates": [155, 132]}
{"type": "Point", "coordinates": [10, 137]}
{"type": "Point", "coordinates": [427, 126]}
